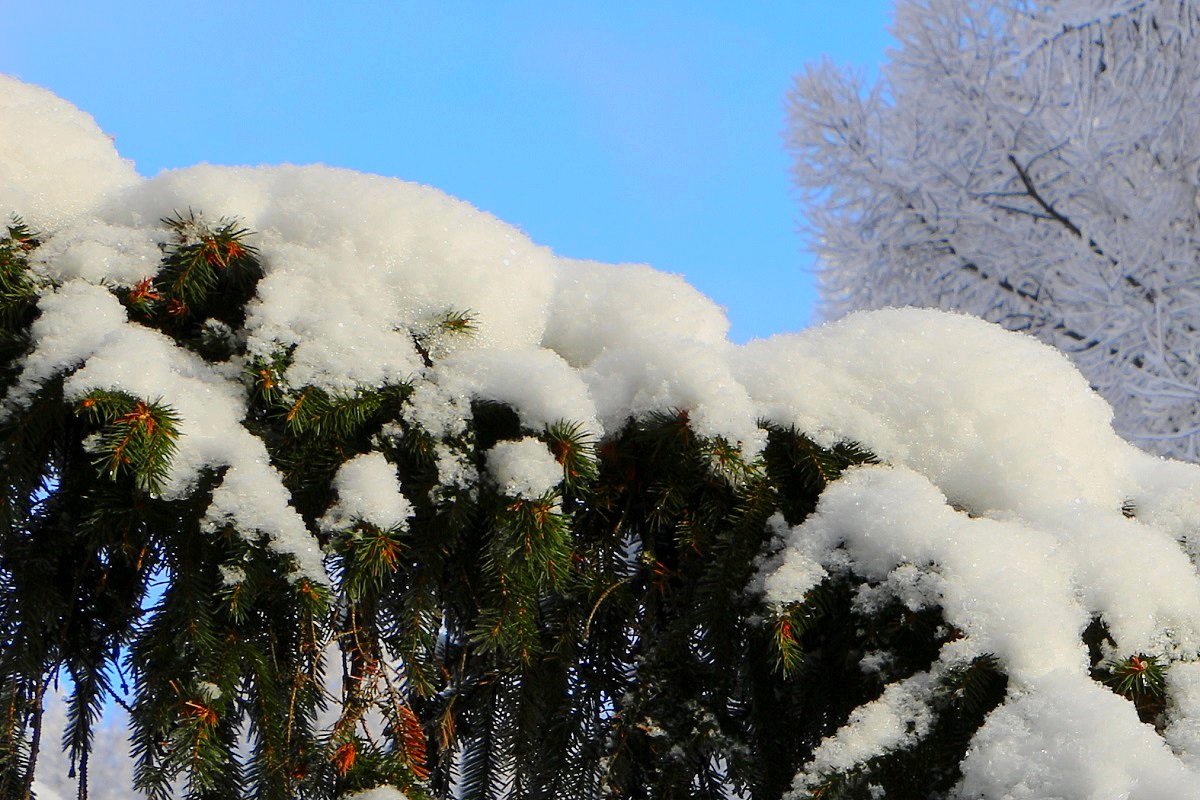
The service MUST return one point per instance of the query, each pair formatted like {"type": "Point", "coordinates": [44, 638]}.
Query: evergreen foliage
{"type": "Point", "coordinates": [599, 640]}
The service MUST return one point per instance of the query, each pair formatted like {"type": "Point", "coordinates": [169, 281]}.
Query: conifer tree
{"type": "Point", "coordinates": [589, 638]}
{"type": "Point", "coordinates": [365, 496]}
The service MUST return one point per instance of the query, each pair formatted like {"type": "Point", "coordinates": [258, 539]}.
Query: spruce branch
{"type": "Point", "coordinates": [573, 447]}
{"type": "Point", "coordinates": [136, 437]}
{"type": "Point", "coordinates": [18, 287]}
{"type": "Point", "coordinates": [1141, 679]}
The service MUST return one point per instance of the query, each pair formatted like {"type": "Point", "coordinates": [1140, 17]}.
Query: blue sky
{"type": "Point", "coordinates": [617, 131]}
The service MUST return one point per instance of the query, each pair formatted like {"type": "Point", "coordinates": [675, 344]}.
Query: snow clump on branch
{"type": "Point", "coordinates": [524, 469]}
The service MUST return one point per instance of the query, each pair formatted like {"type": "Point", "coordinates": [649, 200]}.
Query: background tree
{"type": "Point", "coordinates": [1033, 163]}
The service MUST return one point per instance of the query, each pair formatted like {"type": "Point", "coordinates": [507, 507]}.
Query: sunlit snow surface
{"type": "Point", "coordinates": [1000, 498]}
{"type": "Point", "coordinates": [379, 793]}
{"type": "Point", "coordinates": [524, 468]}
{"type": "Point", "coordinates": [368, 491]}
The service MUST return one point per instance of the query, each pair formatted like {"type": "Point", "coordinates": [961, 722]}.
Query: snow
{"type": "Point", "coordinates": [950, 397]}
{"type": "Point", "coordinates": [350, 258]}
{"type": "Point", "coordinates": [379, 793]}
{"type": "Point", "coordinates": [524, 468]}
{"type": "Point", "coordinates": [75, 322]}
{"type": "Point", "coordinates": [538, 383]}
{"type": "Point", "coordinates": [660, 374]}
{"type": "Point", "coordinates": [252, 498]}
{"type": "Point", "coordinates": [1007, 587]}
{"type": "Point", "coordinates": [1001, 501]}
{"type": "Point", "coordinates": [55, 162]}
{"type": "Point", "coordinates": [1068, 737]}
{"type": "Point", "coordinates": [83, 328]}
{"type": "Point", "coordinates": [1183, 713]}
{"type": "Point", "coordinates": [454, 469]}
{"type": "Point", "coordinates": [1000, 497]}
{"type": "Point", "coordinates": [335, 352]}
{"type": "Point", "coordinates": [598, 307]}
{"type": "Point", "coordinates": [99, 252]}
{"type": "Point", "coordinates": [899, 716]}
{"type": "Point", "coordinates": [368, 490]}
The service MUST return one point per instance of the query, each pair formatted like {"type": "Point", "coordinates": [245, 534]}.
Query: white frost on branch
{"type": "Point", "coordinates": [1033, 163]}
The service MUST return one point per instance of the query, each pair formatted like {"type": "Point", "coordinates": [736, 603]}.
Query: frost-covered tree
{"type": "Point", "coordinates": [1033, 163]}
{"type": "Point", "coordinates": [331, 486]}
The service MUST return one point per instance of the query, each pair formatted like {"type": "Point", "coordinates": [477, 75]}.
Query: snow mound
{"type": "Point", "coordinates": [995, 421]}
{"type": "Point", "coordinates": [1007, 487]}
{"type": "Point", "coordinates": [55, 162]}
{"type": "Point", "coordinates": [363, 252]}
{"type": "Point", "coordinates": [536, 382]}
{"type": "Point", "coordinates": [599, 307]}
{"type": "Point", "coordinates": [1071, 738]}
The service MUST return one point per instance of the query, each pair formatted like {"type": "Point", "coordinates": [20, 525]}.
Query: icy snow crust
{"type": "Point", "coordinates": [1000, 498]}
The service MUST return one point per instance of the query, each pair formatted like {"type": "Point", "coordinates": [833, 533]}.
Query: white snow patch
{"type": "Point", "coordinates": [996, 420]}
{"type": "Point", "coordinates": [368, 490]}
{"type": "Point", "coordinates": [900, 717]}
{"type": "Point", "coordinates": [100, 253]}
{"type": "Point", "coordinates": [1007, 587]}
{"type": "Point", "coordinates": [538, 383]}
{"type": "Point", "coordinates": [55, 162]}
{"type": "Point", "coordinates": [454, 468]}
{"type": "Point", "coordinates": [363, 252]}
{"type": "Point", "coordinates": [524, 468]}
{"type": "Point", "coordinates": [1071, 738]}
{"type": "Point", "coordinates": [379, 793]}
{"type": "Point", "coordinates": [1183, 712]}
{"type": "Point", "coordinates": [661, 374]}
{"type": "Point", "coordinates": [598, 307]}
{"type": "Point", "coordinates": [75, 322]}
{"type": "Point", "coordinates": [252, 497]}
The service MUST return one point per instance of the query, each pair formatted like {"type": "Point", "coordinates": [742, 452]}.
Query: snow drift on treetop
{"type": "Point", "coordinates": [1002, 499]}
